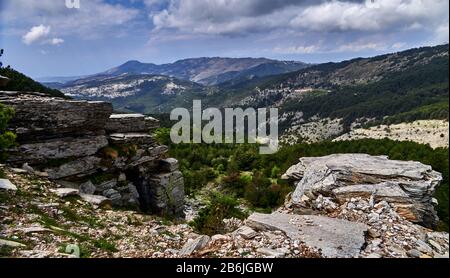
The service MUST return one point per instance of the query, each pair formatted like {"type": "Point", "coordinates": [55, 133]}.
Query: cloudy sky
{"type": "Point", "coordinates": [45, 38]}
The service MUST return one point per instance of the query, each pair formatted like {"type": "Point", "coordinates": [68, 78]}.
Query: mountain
{"type": "Point", "coordinates": [142, 93]}
{"type": "Point", "coordinates": [206, 71]}
{"type": "Point", "coordinates": [375, 87]}
{"type": "Point", "coordinates": [328, 98]}
{"type": "Point", "coordinates": [210, 71]}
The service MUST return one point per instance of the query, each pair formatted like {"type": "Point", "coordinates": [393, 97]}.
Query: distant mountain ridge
{"type": "Point", "coordinates": [206, 71]}
{"type": "Point", "coordinates": [412, 84]}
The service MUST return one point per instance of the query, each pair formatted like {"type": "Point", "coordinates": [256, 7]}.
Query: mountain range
{"type": "Point", "coordinates": [205, 71]}
{"type": "Point", "coordinates": [396, 87]}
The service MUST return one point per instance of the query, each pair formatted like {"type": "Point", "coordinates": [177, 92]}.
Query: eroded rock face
{"type": "Point", "coordinates": [82, 145]}
{"type": "Point", "coordinates": [408, 186]}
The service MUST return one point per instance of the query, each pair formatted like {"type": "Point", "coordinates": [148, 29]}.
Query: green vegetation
{"type": "Point", "coordinates": [228, 167]}
{"type": "Point", "coordinates": [421, 91]}
{"type": "Point", "coordinates": [210, 219]}
{"type": "Point", "coordinates": [436, 111]}
{"type": "Point", "coordinates": [21, 82]}
{"type": "Point", "coordinates": [7, 138]}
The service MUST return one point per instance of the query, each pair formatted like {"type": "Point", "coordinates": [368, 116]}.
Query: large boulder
{"type": "Point", "coordinates": [333, 238]}
{"type": "Point", "coordinates": [408, 186]}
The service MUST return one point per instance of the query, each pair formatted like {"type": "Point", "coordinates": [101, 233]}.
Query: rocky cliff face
{"type": "Point", "coordinates": [82, 145]}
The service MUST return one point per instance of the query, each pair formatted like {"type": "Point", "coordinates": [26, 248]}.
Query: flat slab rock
{"type": "Point", "coordinates": [7, 185]}
{"type": "Point", "coordinates": [194, 245]}
{"type": "Point", "coordinates": [335, 238]}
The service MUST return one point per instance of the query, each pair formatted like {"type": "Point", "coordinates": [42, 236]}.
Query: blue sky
{"type": "Point", "coordinates": [45, 38]}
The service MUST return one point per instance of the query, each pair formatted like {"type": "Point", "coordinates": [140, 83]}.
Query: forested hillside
{"type": "Point", "coordinates": [21, 82]}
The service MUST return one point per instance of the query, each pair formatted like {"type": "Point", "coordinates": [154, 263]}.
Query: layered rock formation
{"type": "Point", "coordinates": [408, 186]}
{"type": "Point", "coordinates": [82, 145]}
{"type": "Point", "coordinates": [356, 205]}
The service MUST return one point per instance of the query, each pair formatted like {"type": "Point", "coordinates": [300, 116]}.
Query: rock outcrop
{"type": "Point", "coordinates": [81, 143]}
{"type": "Point", "coordinates": [408, 186]}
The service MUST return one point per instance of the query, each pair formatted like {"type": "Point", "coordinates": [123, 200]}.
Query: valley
{"type": "Point", "coordinates": [92, 169]}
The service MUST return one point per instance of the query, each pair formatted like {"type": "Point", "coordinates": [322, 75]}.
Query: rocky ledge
{"type": "Point", "coordinates": [82, 145]}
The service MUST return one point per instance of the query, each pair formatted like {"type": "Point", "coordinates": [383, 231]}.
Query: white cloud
{"type": "Point", "coordinates": [36, 33]}
{"type": "Point", "coordinates": [95, 18]}
{"type": "Point", "coordinates": [240, 17]}
{"type": "Point", "coordinates": [442, 33]}
{"type": "Point", "coordinates": [56, 41]}
{"type": "Point", "coordinates": [310, 49]}
{"type": "Point", "coordinates": [385, 15]}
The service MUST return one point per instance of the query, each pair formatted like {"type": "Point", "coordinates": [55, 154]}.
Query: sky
{"type": "Point", "coordinates": [45, 38]}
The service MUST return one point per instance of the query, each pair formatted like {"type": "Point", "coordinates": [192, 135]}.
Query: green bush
{"type": "Point", "coordinates": [210, 219]}
{"type": "Point", "coordinates": [7, 138]}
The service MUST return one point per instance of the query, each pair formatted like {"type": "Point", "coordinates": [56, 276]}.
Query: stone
{"type": "Point", "coordinates": [409, 186]}
{"type": "Point", "coordinates": [246, 232]}
{"type": "Point", "coordinates": [13, 244]}
{"type": "Point", "coordinates": [414, 253]}
{"type": "Point", "coordinates": [158, 151]}
{"type": "Point", "coordinates": [28, 168]}
{"type": "Point", "coordinates": [194, 245]}
{"type": "Point", "coordinates": [126, 123]}
{"type": "Point", "coordinates": [19, 171]}
{"type": "Point", "coordinates": [106, 185]}
{"type": "Point", "coordinates": [151, 123]}
{"type": "Point", "coordinates": [87, 188]}
{"type": "Point", "coordinates": [34, 229]}
{"type": "Point", "coordinates": [219, 238]}
{"type": "Point", "coordinates": [7, 185]}
{"type": "Point", "coordinates": [142, 139]}
{"type": "Point", "coordinates": [65, 192]}
{"type": "Point", "coordinates": [334, 237]}
{"type": "Point", "coordinates": [122, 177]}
{"type": "Point", "coordinates": [373, 233]}
{"type": "Point", "coordinates": [272, 253]}
{"type": "Point", "coordinates": [423, 247]}
{"type": "Point", "coordinates": [80, 166]}
{"type": "Point", "coordinates": [40, 117]}
{"type": "Point", "coordinates": [96, 200]}
{"type": "Point", "coordinates": [169, 165]}
{"type": "Point", "coordinates": [114, 196]}
{"type": "Point", "coordinates": [435, 245]}
{"type": "Point", "coordinates": [374, 256]}
{"type": "Point", "coordinates": [164, 194]}
{"type": "Point", "coordinates": [40, 152]}
{"type": "Point", "coordinates": [445, 256]}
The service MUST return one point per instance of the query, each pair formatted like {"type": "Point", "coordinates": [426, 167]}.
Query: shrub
{"type": "Point", "coordinates": [7, 138]}
{"type": "Point", "coordinates": [210, 219]}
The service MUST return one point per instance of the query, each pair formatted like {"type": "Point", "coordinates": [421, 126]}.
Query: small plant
{"type": "Point", "coordinates": [210, 219]}
{"type": "Point", "coordinates": [7, 138]}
